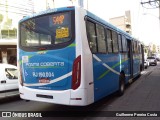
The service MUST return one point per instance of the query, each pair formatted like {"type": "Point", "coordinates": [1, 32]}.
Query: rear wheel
{"type": "Point", "coordinates": [121, 85]}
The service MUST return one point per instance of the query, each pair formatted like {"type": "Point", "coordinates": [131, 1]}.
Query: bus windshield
{"type": "Point", "coordinates": [53, 29]}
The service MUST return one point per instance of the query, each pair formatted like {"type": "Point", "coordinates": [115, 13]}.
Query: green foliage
{"type": "Point", "coordinates": [9, 33]}
{"type": "Point", "coordinates": [154, 48]}
{"type": "Point", "coordinates": [1, 18]}
{"type": "Point", "coordinates": [8, 22]}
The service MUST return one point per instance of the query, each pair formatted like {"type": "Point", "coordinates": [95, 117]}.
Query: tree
{"type": "Point", "coordinates": [8, 23]}
{"type": "Point", "coordinates": [154, 48]}
{"type": "Point", "coordinates": [1, 18]}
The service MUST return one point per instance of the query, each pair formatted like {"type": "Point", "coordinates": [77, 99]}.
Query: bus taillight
{"type": "Point", "coordinates": [76, 73]}
{"type": "Point", "coordinates": [20, 77]}
{"type": "Point", "coordinates": [21, 80]}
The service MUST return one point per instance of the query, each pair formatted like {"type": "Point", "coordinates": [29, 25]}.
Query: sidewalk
{"type": "Point", "coordinates": [141, 95]}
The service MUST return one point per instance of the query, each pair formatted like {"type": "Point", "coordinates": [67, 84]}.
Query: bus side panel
{"type": "Point", "coordinates": [125, 66]}
{"type": "Point", "coordinates": [85, 90]}
{"type": "Point", "coordinates": [106, 74]}
{"type": "Point", "coordinates": [87, 68]}
{"type": "Point", "coordinates": [136, 65]}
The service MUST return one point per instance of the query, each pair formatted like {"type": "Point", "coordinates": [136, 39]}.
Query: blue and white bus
{"type": "Point", "coordinates": [70, 56]}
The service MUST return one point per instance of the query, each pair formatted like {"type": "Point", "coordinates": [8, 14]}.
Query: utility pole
{"type": "Point", "coordinates": [87, 4]}
{"type": "Point", "coordinates": [151, 4]}
{"type": "Point", "coordinates": [159, 9]}
{"type": "Point", "coordinates": [81, 3]}
{"type": "Point", "coordinates": [53, 4]}
{"type": "Point", "coordinates": [78, 2]}
{"type": "Point", "coordinates": [6, 9]}
{"type": "Point", "coordinates": [47, 6]}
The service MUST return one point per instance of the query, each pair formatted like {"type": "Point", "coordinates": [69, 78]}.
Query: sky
{"type": "Point", "coordinates": [145, 22]}
{"type": "Point", "coordinates": [16, 10]}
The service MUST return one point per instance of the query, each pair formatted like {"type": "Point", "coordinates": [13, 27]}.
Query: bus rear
{"type": "Point", "coordinates": [49, 66]}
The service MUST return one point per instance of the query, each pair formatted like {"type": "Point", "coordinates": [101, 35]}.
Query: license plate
{"type": "Point", "coordinates": [44, 80]}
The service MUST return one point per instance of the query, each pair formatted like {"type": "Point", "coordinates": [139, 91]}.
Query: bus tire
{"type": "Point", "coordinates": [121, 85]}
{"type": "Point", "coordinates": [141, 68]}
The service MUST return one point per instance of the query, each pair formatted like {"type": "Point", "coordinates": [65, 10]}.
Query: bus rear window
{"type": "Point", "coordinates": [52, 29]}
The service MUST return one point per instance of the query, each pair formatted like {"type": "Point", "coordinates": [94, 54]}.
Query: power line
{"type": "Point", "coordinates": [14, 7]}
{"type": "Point", "coordinates": [29, 4]}
{"type": "Point", "coordinates": [152, 4]}
{"type": "Point", "coordinates": [15, 12]}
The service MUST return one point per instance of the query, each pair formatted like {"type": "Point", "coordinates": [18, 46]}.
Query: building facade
{"type": "Point", "coordinates": [11, 12]}
{"type": "Point", "coordinates": [123, 22]}
{"type": "Point", "coordinates": [152, 49]}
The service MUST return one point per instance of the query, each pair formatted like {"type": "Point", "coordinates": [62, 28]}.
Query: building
{"type": "Point", "coordinates": [158, 49]}
{"type": "Point", "coordinates": [11, 12]}
{"type": "Point", "coordinates": [152, 49]}
{"type": "Point", "coordinates": [123, 22]}
{"type": "Point", "coordinates": [8, 51]}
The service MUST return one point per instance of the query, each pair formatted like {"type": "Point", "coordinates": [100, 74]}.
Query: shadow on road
{"type": "Point", "coordinates": [9, 99]}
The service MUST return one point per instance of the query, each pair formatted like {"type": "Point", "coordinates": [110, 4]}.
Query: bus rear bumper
{"type": "Point", "coordinates": [58, 97]}
{"type": "Point", "coordinates": [65, 97]}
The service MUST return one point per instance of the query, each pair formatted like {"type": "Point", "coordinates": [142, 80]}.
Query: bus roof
{"type": "Point", "coordinates": [47, 12]}
{"type": "Point", "coordinates": [95, 17]}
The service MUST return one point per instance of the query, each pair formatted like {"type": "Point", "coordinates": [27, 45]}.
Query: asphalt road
{"type": "Point", "coordinates": [142, 95]}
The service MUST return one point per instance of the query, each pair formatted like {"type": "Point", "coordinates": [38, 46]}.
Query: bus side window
{"type": "Point", "coordinates": [101, 39]}
{"type": "Point", "coordinates": [115, 42]}
{"type": "Point", "coordinates": [120, 42]}
{"type": "Point", "coordinates": [124, 44]}
{"type": "Point", "coordinates": [109, 41]}
{"type": "Point", "coordinates": [133, 47]}
{"type": "Point", "coordinates": [140, 48]}
{"type": "Point", "coordinates": [137, 47]}
{"type": "Point", "coordinates": [91, 34]}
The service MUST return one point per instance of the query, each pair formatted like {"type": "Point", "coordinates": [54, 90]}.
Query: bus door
{"type": "Point", "coordinates": [130, 58]}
